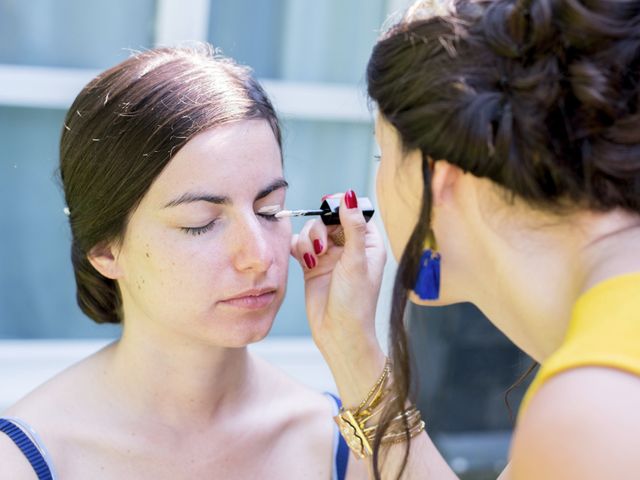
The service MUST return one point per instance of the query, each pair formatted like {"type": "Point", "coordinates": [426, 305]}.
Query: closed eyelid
{"type": "Point", "coordinates": [269, 209]}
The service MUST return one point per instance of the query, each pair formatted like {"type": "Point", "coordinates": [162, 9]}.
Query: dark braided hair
{"type": "Point", "coordinates": [540, 96]}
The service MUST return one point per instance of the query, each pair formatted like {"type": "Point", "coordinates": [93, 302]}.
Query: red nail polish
{"type": "Point", "coordinates": [350, 199]}
{"type": "Point", "coordinates": [317, 246]}
{"type": "Point", "coordinates": [309, 260]}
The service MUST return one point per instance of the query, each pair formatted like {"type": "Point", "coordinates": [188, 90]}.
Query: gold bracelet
{"type": "Point", "coordinates": [376, 393]}
{"type": "Point", "coordinates": [353, 423]}
{"type": "Point", "coordinates": [400, 437]}
{"type": "Point", "coordinates": [397, 429]}
{"type": "Point", "coordinates": [411, 414]}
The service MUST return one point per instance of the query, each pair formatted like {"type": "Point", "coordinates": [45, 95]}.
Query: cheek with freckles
{"type": "Point", "coordinates": [281, 245]}
{"type": "Point", "coordinates": [177, 278]}
{"type": "Point", "coordinates": [163, 276]}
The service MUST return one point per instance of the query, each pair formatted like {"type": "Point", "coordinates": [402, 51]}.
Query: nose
{"type": "Point", "coordinates": [250, 245]}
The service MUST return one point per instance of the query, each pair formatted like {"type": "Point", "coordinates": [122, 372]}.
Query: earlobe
{"type": "Point", "coordinates": [444, 178]}
{"type": "Point", "coordinates": [104, 259]}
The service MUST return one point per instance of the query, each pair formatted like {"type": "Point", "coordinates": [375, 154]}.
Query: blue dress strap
{"type": "Point", "coordinates": [341, 458]}
{"type": "Point", "coordinates": [28, 448]}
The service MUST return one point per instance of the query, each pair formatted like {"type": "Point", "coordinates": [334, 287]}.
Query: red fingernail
{"type": "Point", "coordinates": [309, 260]}
{"type": "Point", "coordinates": [350, 199]}
{"type": "Point", "coordinates": [317, 246]}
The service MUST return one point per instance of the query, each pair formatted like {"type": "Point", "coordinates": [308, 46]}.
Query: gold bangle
{"type": "Point", "coordinates": [352, 422]}
{"type": "Point", "coordinates": [360, 435]}
{"type": "Point", "coordinates": [409, 418]}
{"type": "Point", "coordinates": [400, 437]}
{"type": "Point", "coordinates": [352, 433]}
{"type": "Point", "coordinates": [376, 393]}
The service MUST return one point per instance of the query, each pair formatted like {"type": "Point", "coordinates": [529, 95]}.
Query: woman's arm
{"type": "Point", "coordinates": [341, 295]}
{"type": "Point", "coordinates": [355, 372]}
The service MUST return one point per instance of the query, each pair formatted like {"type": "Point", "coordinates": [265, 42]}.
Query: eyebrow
{"type": "Point", "coordinates": [191, 197]}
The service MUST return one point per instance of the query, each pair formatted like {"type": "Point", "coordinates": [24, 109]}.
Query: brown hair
{"type": "Point", "coordinates": [540, 96]}
{"type": "Point", "coordinates": [123, 129]}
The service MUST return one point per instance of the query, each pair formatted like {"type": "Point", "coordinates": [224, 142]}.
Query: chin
{"type": "Point", "coordinates": [253, 337]}
{"type": "Point", "coordinates": [247, 331]}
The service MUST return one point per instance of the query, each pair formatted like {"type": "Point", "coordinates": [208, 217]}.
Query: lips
{"type": "Point", "coordinates": [251, 299]}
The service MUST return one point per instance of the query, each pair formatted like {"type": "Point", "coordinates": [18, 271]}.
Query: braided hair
{"type": "Point", "coordinates": [540, 96]}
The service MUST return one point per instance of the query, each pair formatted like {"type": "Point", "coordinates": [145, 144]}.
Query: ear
{"type": "Point", "coordinates": [104, 258]}
{"type": "Point", "coordinates": [444, 179]}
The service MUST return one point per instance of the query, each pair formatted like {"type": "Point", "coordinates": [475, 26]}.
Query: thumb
{"type": "Point", "coordinates": [354, 226]}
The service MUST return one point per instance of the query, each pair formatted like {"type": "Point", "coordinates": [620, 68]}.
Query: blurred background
{"type": "Point", "coordinates": [311, 58]}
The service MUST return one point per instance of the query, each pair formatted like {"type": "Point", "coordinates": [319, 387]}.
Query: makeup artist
{"type": "Point", "coordinates": [510, 178]}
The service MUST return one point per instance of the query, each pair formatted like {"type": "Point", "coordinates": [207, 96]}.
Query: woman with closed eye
{"type": "Point", "coordinates": [167, 161]}
{"type": "Point", "coordinates": [510, 178]}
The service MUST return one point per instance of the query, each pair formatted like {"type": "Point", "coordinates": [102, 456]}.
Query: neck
{"type": "Point", "coordinates": [540, 275]}
{"type": "Point", "coordinates": [178, 384]}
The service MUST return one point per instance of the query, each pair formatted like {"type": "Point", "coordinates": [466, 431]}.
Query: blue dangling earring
{"type": "Point", "coordinates": [428, 282]}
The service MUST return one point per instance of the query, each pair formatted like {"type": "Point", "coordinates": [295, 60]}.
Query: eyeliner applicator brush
{"type": "Point", "coordinates": [299, 213]}
{"type": "Point", "coordinates": [328, 211]}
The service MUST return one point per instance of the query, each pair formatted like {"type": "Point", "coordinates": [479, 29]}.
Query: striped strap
{"type": "Point", "coordinates": [342, 453]}
{"type": "Point", "coordinates": [28, 448]}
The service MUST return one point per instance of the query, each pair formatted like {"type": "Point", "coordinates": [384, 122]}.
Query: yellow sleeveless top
{"type": "Point", "coordinates": [604, 331]}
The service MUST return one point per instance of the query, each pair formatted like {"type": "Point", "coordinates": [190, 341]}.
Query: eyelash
{"type": "Point", "coordinates": [195, 231]}
{"type": "Point", "coordinates": [269, 218]}
{"type": "Point", "coordinates": [377, 157]}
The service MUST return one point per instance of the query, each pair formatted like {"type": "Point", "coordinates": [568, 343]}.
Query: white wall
{"type": "Point", "coordinates": [24, 364]}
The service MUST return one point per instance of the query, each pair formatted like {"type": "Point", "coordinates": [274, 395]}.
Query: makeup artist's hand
{"type": "Point", "coordinates": [342, 284]}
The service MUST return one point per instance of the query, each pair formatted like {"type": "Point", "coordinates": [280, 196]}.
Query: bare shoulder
{"type": "Point", "coordinates": [302, 403]}
{"type": "Point", "coordinates": [294, 419]}
{"type": "Point", "coordinates": [582, 424]}
{"type": "Point", "coordinates": [308, 416]}
{"type": "Point", "coordinates": [57, 409]}
{"type": "Point", "coordinates": [14, 464]}
{"type": "Point", "coordinates": [59, 395]}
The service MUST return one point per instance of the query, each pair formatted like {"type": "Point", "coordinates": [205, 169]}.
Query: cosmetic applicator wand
{"type": "Point", "coordinates": [328, 211]}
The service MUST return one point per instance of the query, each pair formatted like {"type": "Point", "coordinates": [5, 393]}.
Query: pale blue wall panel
{"type": "Point", "coordinates": [74, 33]}
{"type": "Point", "coordinates": [250, 31]}
{"type": "Point", "coordinates": [320, 158]}
{"type": "Point", "coordinates": [331, 43]}
{"type": "Point", "coordinates": [37, 290]}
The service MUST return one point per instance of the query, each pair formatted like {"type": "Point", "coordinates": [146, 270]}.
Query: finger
{"type": "Point", "coordinates": [354, 225]}
{"type": "Point", "coordinates": [376, 251]}
{"type": "Point", "coordinates": [335, 233]}
{"type": "Point", "coordinates": [293, 248]}
{"type": "Point", "coordinates": [304, 249]}
{"type": "Point", "coordinates": [332, 195]}
{"type": "Point", "coordinates": [318, 237]}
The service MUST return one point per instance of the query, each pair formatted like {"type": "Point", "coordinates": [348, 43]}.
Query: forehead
{"type": "Point", "coordinates": [239, 154]}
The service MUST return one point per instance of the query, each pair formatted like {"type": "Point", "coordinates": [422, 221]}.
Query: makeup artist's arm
{"type": "Point", "coordinates": [341, 292]}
